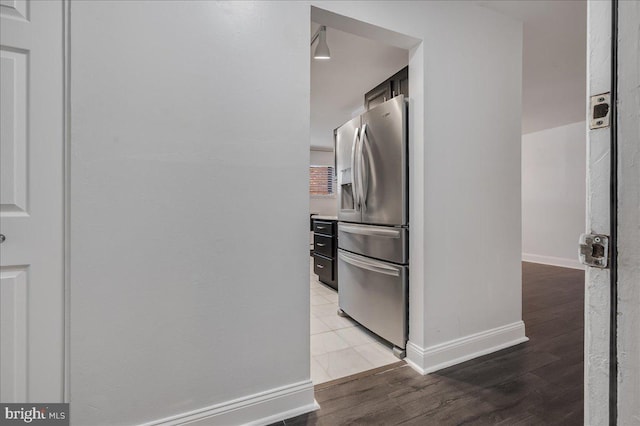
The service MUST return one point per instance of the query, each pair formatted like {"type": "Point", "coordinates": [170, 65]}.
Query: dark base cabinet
{"type": "Point", "coordinates": [325, 252]}
{"type": "Point", "coordinates": [324, 269]}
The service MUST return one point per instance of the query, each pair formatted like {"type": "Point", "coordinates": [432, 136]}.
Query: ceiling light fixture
{"type": "Point", "coordinates": [322, 50]}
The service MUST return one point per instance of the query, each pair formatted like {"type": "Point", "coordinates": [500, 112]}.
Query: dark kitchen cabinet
{"type": "Point", "coordinates": [381, 93]}
{"type": "Point", "coordinates": [397, 84]}
{"type": "Point", "coordinates": [325, 251]}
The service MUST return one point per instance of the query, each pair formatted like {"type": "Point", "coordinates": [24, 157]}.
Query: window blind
{"type": "Point", "coordinates": [321, 180]}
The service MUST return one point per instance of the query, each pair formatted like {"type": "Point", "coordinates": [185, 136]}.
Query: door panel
{"type": "Point", "coordinates": [346, 135]}
{"type": "Point", "coordinates": [13, 136]}
{"type": "Point", "coordinates": [15, 9]}
{"type": "Point", "coordinates": [380, 242]}
{"type": "Point", "coordinates": [374, 293]}
{"type": "Point", "coordinates": [31, 201]}
{"type": "Point", "coordinates": [384, 165]}
{"type": "Point", "coordinates": [13, 329]}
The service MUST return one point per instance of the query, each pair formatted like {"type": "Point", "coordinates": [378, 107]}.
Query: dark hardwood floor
{"type": "Point", "coordinates": [539, 382]}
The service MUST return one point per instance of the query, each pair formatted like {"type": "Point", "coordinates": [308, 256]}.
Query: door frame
{"type": "Point", "coordinates": [613, 221]}
{"type": "Point", "coordinates": [43, 376]}
{"type": "Point", "coordinates": [612, 295]}
{"type": "Point", "coordinates": [598, 308]}
{"type": "Point", "coordinates": [66, 193]}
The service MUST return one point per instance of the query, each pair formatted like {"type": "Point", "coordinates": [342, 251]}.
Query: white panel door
{"type": "Point", "coordinates": [31, 201]}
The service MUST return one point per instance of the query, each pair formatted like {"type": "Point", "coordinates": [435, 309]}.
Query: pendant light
{"type": "Point", "coordinates": [322, 50]}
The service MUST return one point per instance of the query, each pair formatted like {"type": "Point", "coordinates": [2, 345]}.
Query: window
{"type": "Point", "coordinates": [321, 181]}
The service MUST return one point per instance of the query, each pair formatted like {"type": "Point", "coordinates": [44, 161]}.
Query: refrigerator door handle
{"type": "Point", "coordinates": [376, 232]}
{"type": "Point", "coordinates": [362, 170]}
{"type": "Point", "coordinates": [354, 175]}
{"type": "Point", "coordinates": [370, 265]}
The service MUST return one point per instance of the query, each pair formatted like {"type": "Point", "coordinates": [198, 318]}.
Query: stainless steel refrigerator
{"type": "Point", "coordinates": [373, 214]}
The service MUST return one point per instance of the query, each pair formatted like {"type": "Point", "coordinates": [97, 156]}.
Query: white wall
{"type": "Point", "coordinates": [323, 205]}
{"type": "Point", "coordinates": [628, 213]}
{"type": "Point", "coordinates": [553, 194]}
{"type": "Point", "coordinates": [186, 292]}
{"type": "Point", "coordinates": [465, 216]}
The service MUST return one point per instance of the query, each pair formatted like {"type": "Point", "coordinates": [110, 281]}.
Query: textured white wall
{"type": "Point", "coordinates": [629, 214]}
{"type": "Point", "coordinates": [553, 194]}
{"type": "Point", "coordinates": [186, 290]}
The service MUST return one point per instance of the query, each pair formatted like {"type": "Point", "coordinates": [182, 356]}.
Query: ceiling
{"type": "Point", "coordinates": [554, 68]}
{"type": "Point", "coordinates": [554, 60]}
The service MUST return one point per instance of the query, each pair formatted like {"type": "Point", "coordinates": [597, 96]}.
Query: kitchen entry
{"type": "Point", "coordinates": [358, 204]}
{"type": "Point", "coordinates": [547, 175]}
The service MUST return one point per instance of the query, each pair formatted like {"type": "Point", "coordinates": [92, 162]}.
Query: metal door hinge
{"type": "Point", "coordinates": [599, 111]}
{"type": "Point", "coordinates": [594, 250]}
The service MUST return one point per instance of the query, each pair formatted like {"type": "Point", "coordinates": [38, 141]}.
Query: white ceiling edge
{"type": "Point", "coordinates": [321, 148]}
{"type": "Point", "coordinates": [583, 121]}
{"type": "Point", "coordinates": [363, 29]}
{"type": "Point", "coordinates": [554, 60]}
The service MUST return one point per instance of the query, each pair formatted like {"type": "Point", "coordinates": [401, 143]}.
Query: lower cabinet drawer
{"type": "Point", "coordinates": [323, 244]}
{"type": "Point", "coordinates": [323, 267]}
{"type": "Point", "coordinates": [323, 227]}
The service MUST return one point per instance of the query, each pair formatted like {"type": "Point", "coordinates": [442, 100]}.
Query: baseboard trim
{"type": "Point", "coordinates": [554, 261]}
{"type": "Point", "coordinates": [437, 357]}
{"type": "Point", "coordinates": [257, 410]}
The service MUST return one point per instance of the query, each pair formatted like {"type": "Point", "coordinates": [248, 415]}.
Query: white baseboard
{"type": "Point", "coordinates": [259, 409]}
{"type": "Point", "coordinates": [550, 260]}
{"type": "Point", "coordinates": [437, 357]}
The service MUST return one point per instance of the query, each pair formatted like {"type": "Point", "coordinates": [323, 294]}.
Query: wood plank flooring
{"type": "Point", "coordinates": [539, 382]}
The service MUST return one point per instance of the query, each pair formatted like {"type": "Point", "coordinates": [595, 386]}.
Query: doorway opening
{"type": "Point", "coordinates": [556, 357]}
{"type": "Point", "coordinates": [554, 140]}
{"type": "Point", "coordinates": [360, 74]}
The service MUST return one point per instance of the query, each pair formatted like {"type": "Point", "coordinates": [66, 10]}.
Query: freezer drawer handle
{"type": "Point", "coordinates": [389, 233]}
{"type": "Point", "coordinates": [378, 267]}
{"type": "Point", "coordinates": [319, 266]}
{"type": "Point", "coordinates": [320, 244]}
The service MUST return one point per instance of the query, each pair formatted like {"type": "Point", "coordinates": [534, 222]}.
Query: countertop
{"type": "Point", "coordinates": [322, 217]}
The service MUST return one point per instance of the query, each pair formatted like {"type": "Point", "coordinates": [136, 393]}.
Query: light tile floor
{"type": "Point", "coordinates": [339, 346]}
